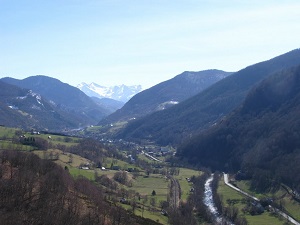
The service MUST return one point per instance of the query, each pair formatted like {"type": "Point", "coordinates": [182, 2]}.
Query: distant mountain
{"type": "Point", "coordinates": [261, 138]}
{"type": "Point", "coordinates": [166, 94]}
{"type": "Point", "coordinates": [110, 105]}
{"type": "Point", "coordinates": [206, 108]}
{"type": "Point", "coordinates": [24, 108]}
{"type": "Point", "coordinates": [64, 97]}
{"type": "Point", "coordinates": [120, 93]}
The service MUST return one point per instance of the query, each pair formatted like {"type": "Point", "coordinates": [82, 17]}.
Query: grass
{"type": "Point", "coordinates": [145, 158]}
{"type": "Point", "coordinates": [63, 160]}
{"type": "Point", "coordinates": [184, 185]}
{"type": "Point", "coordinates": [76, 172]}
{"type": "Point", "coordinates": [6, 132]}
{"type": "Point", "coordinates": [292, 206]}
{"type": "Point", "coordinates": [57, 139]}
{"type": "Point", "coordinates": [264, 219]}
{"type": "Point", "coordinates": [145, 185]}
{"type": "Point", "coordinates": [122, 164]}
{"type": "Point", "coordinates": [153, 215]}
{"type": "Point", "coordinates": [8, 145]}
{"type": "Point", "coordinates": [156, 216]}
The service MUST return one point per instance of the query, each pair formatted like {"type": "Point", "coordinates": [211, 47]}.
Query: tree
{"type": "Point", "coordinates": [153, 193]}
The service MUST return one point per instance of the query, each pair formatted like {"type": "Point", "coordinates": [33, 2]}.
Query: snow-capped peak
{"type": "Point", "coordinates": [120, 92]}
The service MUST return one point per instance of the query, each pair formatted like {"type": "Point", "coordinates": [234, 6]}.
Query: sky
{"type": "Point", "coordinates": [131, 42]}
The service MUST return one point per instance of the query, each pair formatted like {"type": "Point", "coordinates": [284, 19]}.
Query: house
{"type": "Point", "coordinates": [124, 201]}
{"type": "Point", "coordinates": [84, 168]}
{"type": "Point", "coordinates": [164, 150]}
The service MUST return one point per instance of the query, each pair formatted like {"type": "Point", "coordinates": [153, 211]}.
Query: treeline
{"type": "Point", "coordinates": [261, 139]}
{"type": "Point", "coordinates": [36, 191]}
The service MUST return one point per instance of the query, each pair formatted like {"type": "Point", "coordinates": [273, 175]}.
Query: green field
{"type": "Point", "coordinates": [6, 132]}
{"type": "Point", "coordinates": [264, 219]}
{"type": "Point", "coordinates": [291, 206]}
{"type": "Point", "coordinates": [123, 165]}
{"type": "Point", "coordinates": [144, 186]}
{"type": "Point", "coordinates": [184, 184]}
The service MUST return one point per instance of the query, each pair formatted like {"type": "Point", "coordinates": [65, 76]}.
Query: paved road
{"type": "Point", "coordinates": [256, 199]}
{"type": "Point", "coordinates": [150, 156]}
{"type": "Point", "coordinates": [237, 189]}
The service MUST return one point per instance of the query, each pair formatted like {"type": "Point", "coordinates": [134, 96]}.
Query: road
{"type": "Point", "coordinates": [174, 193]}
{"type": "Point", "coordinates": [237, 189]}
{"type": "Point", "coordinates": [256, 199]}
{"type": "Point", "coordinates": [151, 157]}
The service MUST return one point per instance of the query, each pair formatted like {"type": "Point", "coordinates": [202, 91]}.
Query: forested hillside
{"type": "Point", "coordinates": [35, 191]}
{"type": "Point", "coordinates": [166, 94]}
{"type": "Point", "coordinates": [201, 111]}
{"type": "Point", "coordinates": [261, 138]}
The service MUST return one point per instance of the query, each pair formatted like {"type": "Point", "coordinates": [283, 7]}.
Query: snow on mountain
{"type": "Point", "coordinates": [120, 93]}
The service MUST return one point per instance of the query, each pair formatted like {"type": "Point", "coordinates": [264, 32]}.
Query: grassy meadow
{"type": "Point", "coordinates": [266, 218]}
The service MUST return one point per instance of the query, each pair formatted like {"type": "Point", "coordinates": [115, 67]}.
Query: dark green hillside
{"type": "Point", "coordinates": [9, 116]}
{"type": "Point", "coordinates": [203, 110]}
{"type": "Point", "coordinates": [261, 138]}
{"type": "Point", "coordinates": [166, 94]}
{"type": "Point", "coordinates": [67, 98]}
{"type": "Point", "coordinates": [24, 109]}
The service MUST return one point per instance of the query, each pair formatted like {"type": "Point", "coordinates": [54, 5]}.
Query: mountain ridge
{"type": "Point", "coordinates": [260, 137]}
{"type": "Point", "coordinates": [173, 125]}
{"type": "Point", "coordinates": [22, 108]}
{"type": "Point", "coordinates": [166, 94]}
{"type": "Point", "coordinates": [64, 97]}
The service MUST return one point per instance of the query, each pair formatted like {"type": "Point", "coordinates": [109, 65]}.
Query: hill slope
{"type": "Point", "coordinates": [37, 191]}
{"type": "Point", "coordinates": [166, 94]}
{"type": "Point", "coordinates": [65, 97]}
{"type": "Point", "coordinates": [203, 110]}
{"type": "Point", "coordinates": [261, 138]}
{"type": "Point", "coordinates": [110, 105]}
{"type": "Point", "coordinates": [25, 109]}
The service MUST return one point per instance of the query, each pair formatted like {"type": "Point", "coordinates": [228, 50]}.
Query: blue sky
{"type": "Point", "coordinates": [113, 42]}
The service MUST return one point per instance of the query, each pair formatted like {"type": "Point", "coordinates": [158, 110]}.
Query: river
{"type": "Point", "coordinates": [209, 202]}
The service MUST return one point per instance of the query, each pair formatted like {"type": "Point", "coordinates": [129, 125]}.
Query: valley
{"type": "Point", "coordinates": [158, 158]}
{"type": "Point", "coordinates": [148, 188]}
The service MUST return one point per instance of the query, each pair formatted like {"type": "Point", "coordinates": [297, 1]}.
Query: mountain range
{"type": "Point", "coordinates": [167, 113]}
{"type": "Point", "coordinates": [166, 94]}
{"type": "Point", "coordinates": [70, 107]}
{"type": "Point", "coordinates": [23, 108]}
{"type": "Point", "coordinates": [261, 138]}
{"type": "Point", "coordinates": [119, 93]}
{"type": "Point", "coordinates": [203, 110]}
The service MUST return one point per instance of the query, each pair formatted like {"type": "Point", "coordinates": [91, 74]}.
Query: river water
{"type": "Point", "coordinates": [209, 202]}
